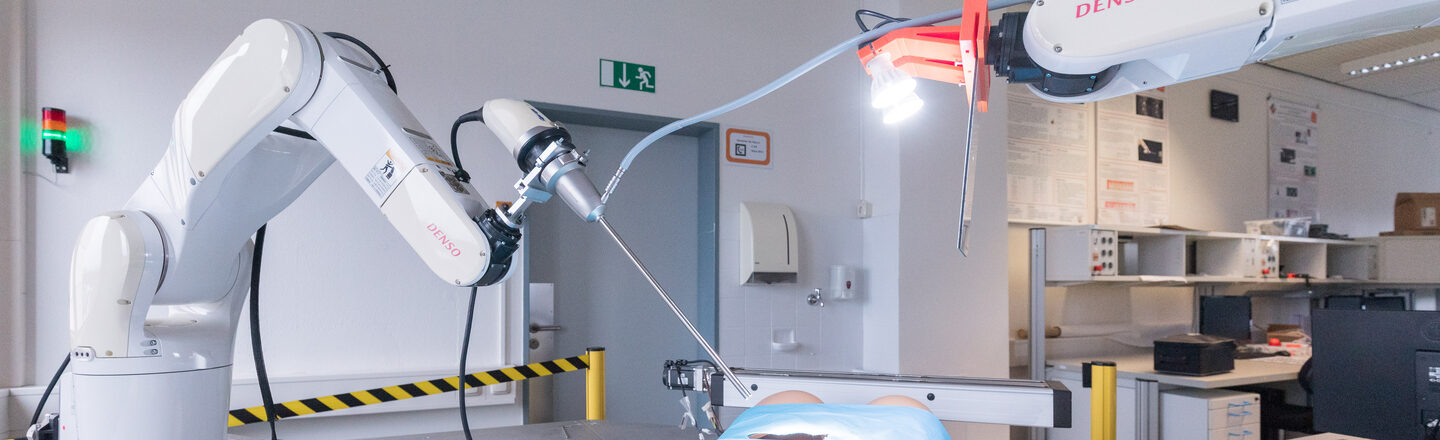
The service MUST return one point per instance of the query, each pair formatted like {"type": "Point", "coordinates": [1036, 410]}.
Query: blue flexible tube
{"type": "Point", "coordinates": [849, 44]}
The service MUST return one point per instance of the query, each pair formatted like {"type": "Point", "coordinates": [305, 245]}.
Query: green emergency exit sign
{"type": "Point", "coordinates": [629, 76]}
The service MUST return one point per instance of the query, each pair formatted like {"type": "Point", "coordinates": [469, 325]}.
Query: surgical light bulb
{"type": "Point", "coordinates": [888, 85]}
{"type": "Point", "coordinates": [904, 109]}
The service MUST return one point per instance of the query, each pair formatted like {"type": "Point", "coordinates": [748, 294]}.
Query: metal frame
{"type": "Point", "coordinates": [1037, 313]}
{"type": "Point", "coordinates": [1000, 401]}
{"type": "Point", "coordinates": [1147, 409]}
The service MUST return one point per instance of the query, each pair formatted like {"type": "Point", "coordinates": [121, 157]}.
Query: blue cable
{"type": "Point", "coordinates": [848, 44]}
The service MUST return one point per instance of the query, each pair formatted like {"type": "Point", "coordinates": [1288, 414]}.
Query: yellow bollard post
{"type": "Point", "coordinates": [595, 384]}
{"type": "Point", "coordinates": [1102, 400]}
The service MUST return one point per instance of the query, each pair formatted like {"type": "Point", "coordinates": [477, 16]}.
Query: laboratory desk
{"type": "Point", "coordinates": [573, 430]}
{"type": "Point", "coordinates": [1247, 371]}
{"type": "Point", "coordinates": [1138, 396]}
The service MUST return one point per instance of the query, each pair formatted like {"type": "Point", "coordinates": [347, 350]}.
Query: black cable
{"type": "Point", "coordinates": [389, 79]}
{"type": "Point", "coordinates": [260, 374]}
{"type": "Point", "coordinates": [885, 19]}
{"type": "Point", "coordinates": [48, 388]}
{"type": "Point", "coordinates": [474, 116]}
{"type": "Point", "coordinates": [463, 176]}
{"type": "Point", "coordinates": [464, 353]}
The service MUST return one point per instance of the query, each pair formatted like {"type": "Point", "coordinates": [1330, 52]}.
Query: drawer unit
{"type": "Point", "coordinates": [1209, 414]}
{"type": "Point", "coordinates": [1247, 432]}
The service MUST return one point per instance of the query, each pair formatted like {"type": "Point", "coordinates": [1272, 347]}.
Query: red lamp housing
{"type": "Point", "coordinates": [952, 54]}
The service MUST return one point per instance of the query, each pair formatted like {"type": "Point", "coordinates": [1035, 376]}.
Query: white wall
{"type": "Point", "coordinates": [930, 310]}
{"type": "Point", "coordinates": [816, 164]}
{"type": "Point", "coordinates": [1372, 148]}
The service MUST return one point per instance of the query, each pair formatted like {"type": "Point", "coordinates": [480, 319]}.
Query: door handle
{"type": "Point", "coordinates": [537, 328]}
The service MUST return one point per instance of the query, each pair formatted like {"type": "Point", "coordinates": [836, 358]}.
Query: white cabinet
{"type": "Point", "coordinates": [1410, 259]}
{"type": "Point", "coordinates": [1209, 414]}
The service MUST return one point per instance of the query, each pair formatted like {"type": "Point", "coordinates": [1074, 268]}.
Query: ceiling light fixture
{"type": "Point", "coordinates": [892, 90]}
{"type": "Point", "coordinates": [1408, 56]}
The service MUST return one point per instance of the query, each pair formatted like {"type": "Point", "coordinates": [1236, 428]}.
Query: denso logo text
{"type": "Point", "coordinates": [445, 241]}
{"type": "Point", "coordinates": [1097, 6]}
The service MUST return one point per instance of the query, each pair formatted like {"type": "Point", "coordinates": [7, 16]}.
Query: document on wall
{"type": "Point", "coordinates": [1048, 170]}
{"type": "Point", "coordinates": [1132, 175]}
{"type": "Point", "coordinates": [1294, 147]}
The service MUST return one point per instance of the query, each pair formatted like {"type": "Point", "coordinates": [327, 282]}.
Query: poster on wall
{"type": "Point", "coordinates": [1132, 172]}
{"type": "Point", "coordinates": [1048, 170]}
{"type": "Point", "coordinates": [1294, 166]}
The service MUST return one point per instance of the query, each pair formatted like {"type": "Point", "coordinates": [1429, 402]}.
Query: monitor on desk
{"type": "Point", "coordinates": [1345, 302]}
{"type": "Point", "coordinates": [1226, 317]}
{"type": "Point", "coordinates": [1393, 303]}
{"type": "Point", "coordinates": [1375, 374]}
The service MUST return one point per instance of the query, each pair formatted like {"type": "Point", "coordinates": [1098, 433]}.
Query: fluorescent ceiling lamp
{"type": "Point", "coordinates": [1391, 60]}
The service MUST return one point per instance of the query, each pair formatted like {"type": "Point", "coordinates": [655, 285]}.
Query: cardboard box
{"type": "Point", "coordinates": [1417, 212]}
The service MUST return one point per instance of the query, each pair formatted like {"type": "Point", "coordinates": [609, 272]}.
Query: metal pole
{"type": "Point", "coordinates": [1037, 312]}
{"type": "Point", "coordinates": [963, 237]}
{"type": "Point", "coordinates": [1037, 303]}
{"type": "Point", "coordinates": [715, 356]}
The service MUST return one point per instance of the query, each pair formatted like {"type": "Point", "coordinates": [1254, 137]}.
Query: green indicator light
{"type": "Point", "coordinates": [27, 136]}
{"type": "Point", "coordinates": [77, 139]}
{"type": "Point", "coordinates": [53, 134]}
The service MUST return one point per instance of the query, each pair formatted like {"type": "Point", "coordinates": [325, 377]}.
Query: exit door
{"type": "Point", "coordinates": [665, 210]}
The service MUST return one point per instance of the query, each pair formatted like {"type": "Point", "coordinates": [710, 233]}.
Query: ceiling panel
{"type": "Point", "coordinates": [1431, 99]}
{"type": "Point", "coordinates": [1325, 63]}
{"type": "Point", "coordinates": [1408, 80]}
{"type": "Point", "coordinates": [1418, 80]}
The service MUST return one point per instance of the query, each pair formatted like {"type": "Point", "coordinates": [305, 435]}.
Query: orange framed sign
{"type": "Point", "coordinates": [747, 147]}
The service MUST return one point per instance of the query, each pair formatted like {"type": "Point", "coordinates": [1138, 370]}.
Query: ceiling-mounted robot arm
{"type": "Point", "coordinates": [1091, 50]}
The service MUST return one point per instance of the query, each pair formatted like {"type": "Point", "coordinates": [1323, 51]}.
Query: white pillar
{"type": "Point", "coordinates": [14, 202]}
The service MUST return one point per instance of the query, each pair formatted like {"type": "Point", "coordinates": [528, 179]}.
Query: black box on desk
{"type": "Point", "coordinates": [1194, 355]}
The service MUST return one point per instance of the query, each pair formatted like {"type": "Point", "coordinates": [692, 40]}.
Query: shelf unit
{"type": "Point", "coordinates": [1210, 262]}
{"type": "Point", "coordinates": [1153, 256]}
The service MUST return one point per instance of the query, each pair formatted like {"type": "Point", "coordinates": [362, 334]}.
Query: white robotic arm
{"type": "Point", "coordinates": [156, 288]}
{"type": "Point", "coordinates": [1090, 50]}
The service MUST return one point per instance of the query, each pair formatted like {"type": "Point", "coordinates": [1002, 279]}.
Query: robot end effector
{"type": "Point", "coordinates": [544, 152]}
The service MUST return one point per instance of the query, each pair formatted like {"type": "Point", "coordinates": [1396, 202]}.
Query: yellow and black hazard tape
{"type": "Point", "coordinates": [294, 408]}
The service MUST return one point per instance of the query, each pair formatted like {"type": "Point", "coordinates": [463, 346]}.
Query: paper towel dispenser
{"type": "Point", "coordinates": [769, 244]}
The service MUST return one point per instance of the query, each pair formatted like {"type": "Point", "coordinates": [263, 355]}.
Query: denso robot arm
{"type": "Point", "coordinates": [157, 287]}
{"type": "Point", "coordinates": [1090, 50]}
